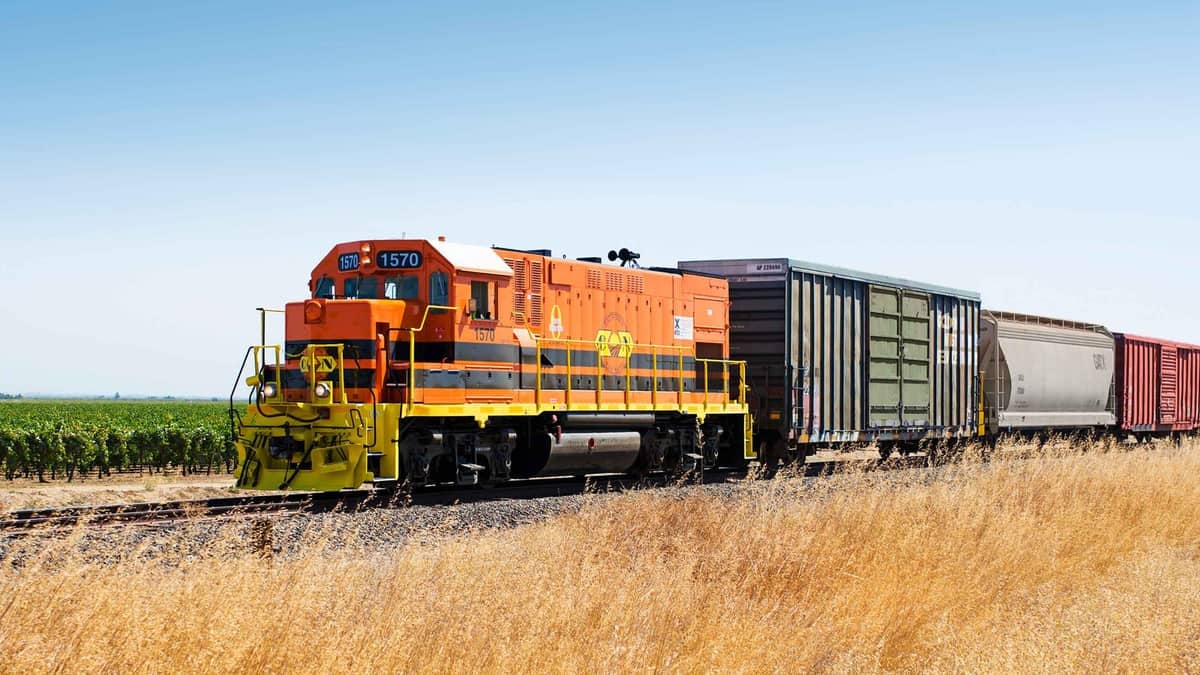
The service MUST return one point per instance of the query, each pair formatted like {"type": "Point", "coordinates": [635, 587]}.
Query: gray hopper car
{"type": "Point", "coordinates": [839, 356]}
{"type": "Point", "coordinates": [1046, 374]}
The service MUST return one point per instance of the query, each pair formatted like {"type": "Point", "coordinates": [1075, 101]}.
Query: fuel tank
{"type": "Point", "coordinates": [578, 452]}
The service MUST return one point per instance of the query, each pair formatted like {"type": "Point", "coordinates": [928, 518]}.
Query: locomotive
{"type": "Point", "coordinates": [424, 362]}
{"type": "Point", "coordinates": [430, 362]}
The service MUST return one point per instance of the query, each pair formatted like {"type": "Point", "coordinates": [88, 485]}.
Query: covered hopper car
{"type": "Point", "coordinates": [1043, 374]}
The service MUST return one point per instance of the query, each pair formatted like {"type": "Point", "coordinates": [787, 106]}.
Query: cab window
{"type": "Point", "coordinates": [361, 288]}
{"type": "Point", "coordinates": [401, 288]}
{"type": "Point", "coordinates": [483, 294]}
{"type": "Point", "coordinates": [439, 288]}
{"type": "Point", "coordinates": [324, 288]}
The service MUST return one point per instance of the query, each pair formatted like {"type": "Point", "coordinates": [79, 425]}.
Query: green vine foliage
{"type": "Point", "coordinates": [50, 440]}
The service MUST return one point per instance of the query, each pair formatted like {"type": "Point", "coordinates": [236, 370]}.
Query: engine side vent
{"type": "Point", "coordinates": [520, 289]}
{"type": "Point", "coordinates": [534, 289]}
{"type": "Point", "coordinates": [612, 281]}
{"type": "Point", "coordinates": [634, 283]}
{"type": "Point", "coordinates": [593, 279]}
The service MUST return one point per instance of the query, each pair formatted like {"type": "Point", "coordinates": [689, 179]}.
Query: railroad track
{"type": "Point", "coordinates": [57, 519]}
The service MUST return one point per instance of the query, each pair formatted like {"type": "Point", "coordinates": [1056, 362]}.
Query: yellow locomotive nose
{"type": "Point", "coordinates": [325, 453]}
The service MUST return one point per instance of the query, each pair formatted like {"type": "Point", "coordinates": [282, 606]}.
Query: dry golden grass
{"type": "Point", "coordinates": [1056, 561]}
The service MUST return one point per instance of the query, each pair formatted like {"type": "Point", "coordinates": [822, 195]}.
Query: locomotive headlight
{"type": "Point", "coordinates": [321, 390]}
{"type": "Point", "coordinates": [269, 390]}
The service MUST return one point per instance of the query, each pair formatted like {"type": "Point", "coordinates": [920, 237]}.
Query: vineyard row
{"type": "Point", "coordinates": [52, 451]}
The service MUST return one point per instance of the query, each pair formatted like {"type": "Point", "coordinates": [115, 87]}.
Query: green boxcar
{"type": "Point", "coordinates": [838, 356]}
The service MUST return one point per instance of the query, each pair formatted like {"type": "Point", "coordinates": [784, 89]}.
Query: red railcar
{"type": "Point", "coordinates": [1158, 384]}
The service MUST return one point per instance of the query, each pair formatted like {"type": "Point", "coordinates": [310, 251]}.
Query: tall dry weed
{"type": "Point", "coordinates": [1054, 559]}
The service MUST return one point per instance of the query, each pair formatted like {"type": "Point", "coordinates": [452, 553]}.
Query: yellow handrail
{"type": "Point", "coordinates": [412, 352]}
{"type": "Point", "coordinates": [654, 375]}
{"type": "Point", "coordinates": [725, 363]}
{"type": "Point", "coordinates": [309, 352]}
{"type": "Point", "coordinates": [680, 351]}
{"type": "Point", "coordinates": [259, 365]}
{"type": "Point", "coordinates": [631, 347]}
{"type": "Point", "coordinates": [262, 319]}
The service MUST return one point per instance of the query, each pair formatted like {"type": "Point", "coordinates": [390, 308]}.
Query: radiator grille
{"type": "Point", "coordinates": [534, 291]}
{"type": "Point", "coordinates": [520, 289]}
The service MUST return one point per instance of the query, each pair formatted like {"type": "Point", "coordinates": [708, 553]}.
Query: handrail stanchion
{"type": "Point", "coordinates": [599, 379]}
{"type": "Point", "coordinates": [311, 371]}
{"type": "Point", "coordinates": [628, 363]}
{"type": "Point", "coordinates": [537, 385]}
{"type": "Point", "coordinates": [654, 374]}
{"type": "Point", "coordinates": [725, 384]}
{"type": "Point", "coordinates": [568, 393]}
{"type": "Point", "coordinates": [342, 372]}
{"type": "Point", "coordinates": [412, 366]}
{"type": "Point", "coordinates": [679, 355]}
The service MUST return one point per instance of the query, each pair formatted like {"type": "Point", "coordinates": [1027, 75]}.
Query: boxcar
{"type": "Point", "coordinates": [836, 356]}
{"type": "Point", "coordinates": [1045, 374]}
{"type": "Point", "coordinates": [1159, 385]}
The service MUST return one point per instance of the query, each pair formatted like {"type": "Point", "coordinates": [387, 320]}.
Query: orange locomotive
{"type": "Point", "coordinates": [425, 362]}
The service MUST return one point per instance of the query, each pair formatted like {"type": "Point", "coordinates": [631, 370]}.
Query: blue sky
{"type": "Point", "coordinates": [165, 168]}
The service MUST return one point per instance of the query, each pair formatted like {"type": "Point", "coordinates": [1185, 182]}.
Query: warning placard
{"type": "Point", "coordinates": [684, 328]}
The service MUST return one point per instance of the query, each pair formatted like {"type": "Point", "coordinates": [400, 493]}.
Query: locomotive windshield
{"type": "Point", "coordinates": [361, 288]}
{"type": "Point", "coordinates": [401, 288]}
{"type": "Point", "coordinates": [395, 287]}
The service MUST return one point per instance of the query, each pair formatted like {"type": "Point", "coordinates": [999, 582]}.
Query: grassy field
{"type": "Point", "coordinates": [1053, 561]}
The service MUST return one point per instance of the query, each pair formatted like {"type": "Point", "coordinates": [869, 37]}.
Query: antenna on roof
{"type": "Point", "coordinates": [627, 257]}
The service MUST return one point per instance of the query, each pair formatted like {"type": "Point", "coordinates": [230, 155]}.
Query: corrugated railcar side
{"type": "Point", "coordinates": [836, 355]}
{"type": "Point", "coordinates": [1158, 384]}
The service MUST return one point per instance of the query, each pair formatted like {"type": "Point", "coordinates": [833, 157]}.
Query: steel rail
{"type": "Point", "coordinates": [60, 518]}
{"type": "Point", "coordinates": [150, 512]}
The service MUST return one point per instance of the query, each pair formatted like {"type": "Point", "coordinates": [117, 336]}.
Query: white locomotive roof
{"type": "Point", "coordinates": [470, 258]}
